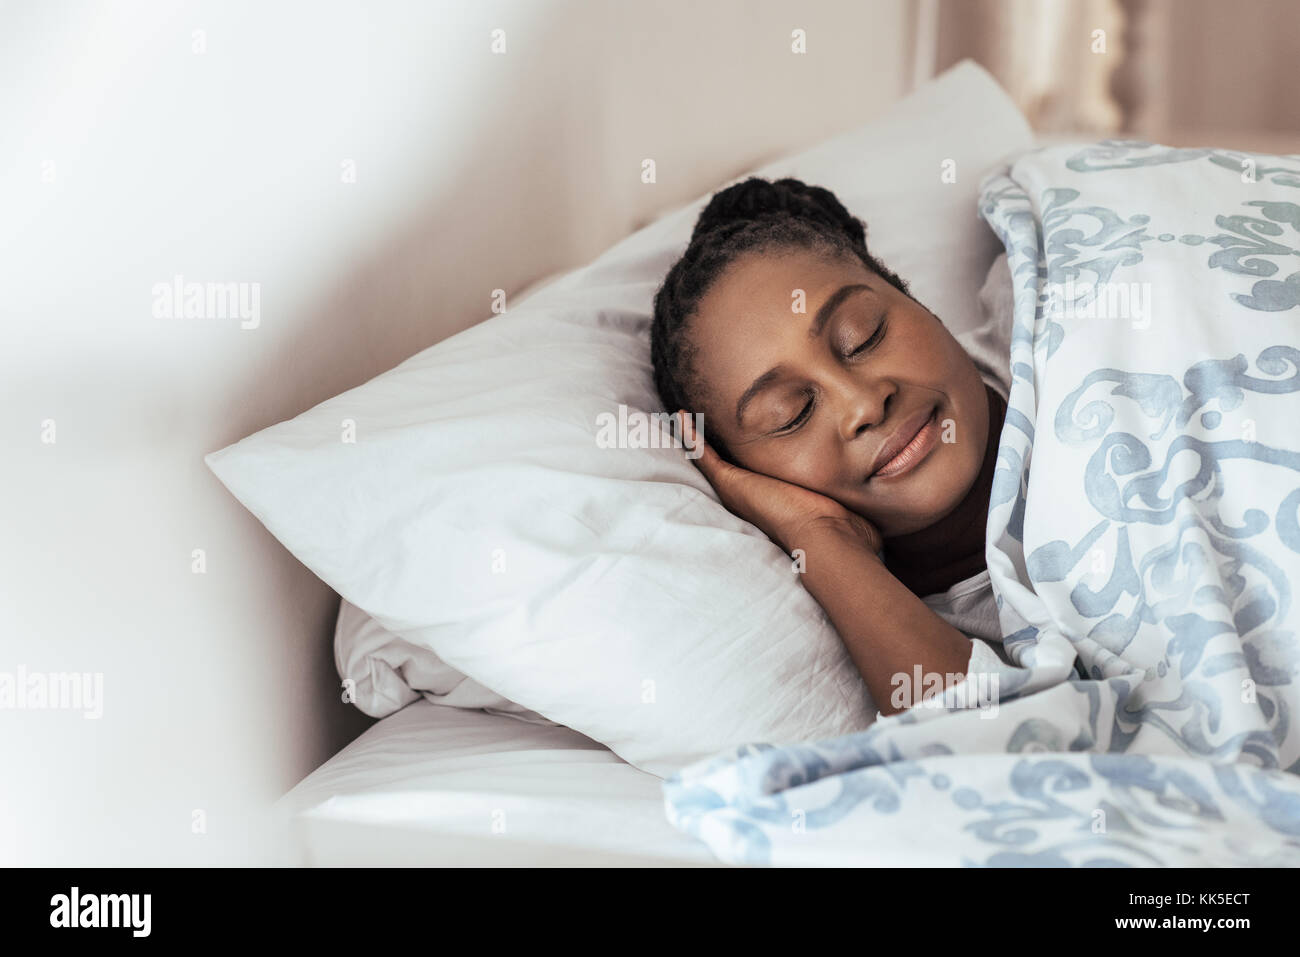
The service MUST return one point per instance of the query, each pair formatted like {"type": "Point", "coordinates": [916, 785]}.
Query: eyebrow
{"type": "Point", "coordinates": [826, 310]}
{"type": "Point", "coordinates": [832, 303]}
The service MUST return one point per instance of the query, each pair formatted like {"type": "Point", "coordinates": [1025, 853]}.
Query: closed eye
{"type": "Point", "coordinates": [873, 341]}
{"type": "Point", "coordinates": [798, 420]}
{"type": "Point", "coordinates": [804, 413]}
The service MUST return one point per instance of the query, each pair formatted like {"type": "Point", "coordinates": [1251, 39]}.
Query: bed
{"type": "Point", "coordinates": [436, 785]}
{"type": "Point", "coordinates": [433, 785]}
{"type": "Point", "coordinates": [426, 784]}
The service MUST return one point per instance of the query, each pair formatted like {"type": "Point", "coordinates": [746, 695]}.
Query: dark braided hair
{"type": "Point", "coordinates": [755, 215]}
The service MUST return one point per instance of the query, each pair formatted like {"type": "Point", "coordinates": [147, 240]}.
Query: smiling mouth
{"type": "Point", "coordinates": [908, 446]}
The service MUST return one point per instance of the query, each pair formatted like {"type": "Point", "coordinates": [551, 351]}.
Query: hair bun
{"type": "Point", "coordinates": [755, 198]}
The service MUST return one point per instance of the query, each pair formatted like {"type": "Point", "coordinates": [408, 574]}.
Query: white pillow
{"type": "Point", "coordinates": [607, 589]}
{"type": "Point", "coordinates": [387, 672]}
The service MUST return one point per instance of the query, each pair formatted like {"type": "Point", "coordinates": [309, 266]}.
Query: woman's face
{"type": "Point", "coordinates": [826, 397]}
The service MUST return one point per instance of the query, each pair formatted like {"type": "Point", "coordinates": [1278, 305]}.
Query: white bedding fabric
{"type": "Point", "coordinates": [419, 787]}
{"type": "Point", "coordinates": [428, 785]}
{"type": "Point", "coordinates": [607, 589]}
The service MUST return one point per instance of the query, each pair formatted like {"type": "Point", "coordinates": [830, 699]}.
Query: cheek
{"type": "Point", "coordinates": [969, 436]}
{"type": "Point", "coordinates": [976, 401]}
{"type": "Point", "coordinates": [805, 460]}
{"type": "Point", "coordinates": [964, 387]}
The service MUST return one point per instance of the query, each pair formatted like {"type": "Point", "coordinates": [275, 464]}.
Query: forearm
{"type": "Point", "coordinates": [887, 630]}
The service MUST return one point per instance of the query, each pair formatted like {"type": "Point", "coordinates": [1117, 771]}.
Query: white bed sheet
{"type": "Point", "coordinates": [432, 785]}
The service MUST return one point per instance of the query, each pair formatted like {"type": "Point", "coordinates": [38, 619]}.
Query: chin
{"type": "Point", "coordinates": [917, 521]}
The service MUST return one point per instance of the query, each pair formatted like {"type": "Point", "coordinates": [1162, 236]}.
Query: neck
{"type": "Point", "coordinates": [940, 555]}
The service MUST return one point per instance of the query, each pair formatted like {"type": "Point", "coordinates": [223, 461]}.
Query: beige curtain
{"type": "Point", "coordinates": [1182, 72]}
{"type": "Point", "coordinates": [1056, 58]}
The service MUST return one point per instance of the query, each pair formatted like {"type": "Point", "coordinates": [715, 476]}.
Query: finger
{"type": "Point", "coordinates": [708, 461]}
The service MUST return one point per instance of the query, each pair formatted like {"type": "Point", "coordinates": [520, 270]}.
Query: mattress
{"type": "Point", "coordinates": [433, 785]}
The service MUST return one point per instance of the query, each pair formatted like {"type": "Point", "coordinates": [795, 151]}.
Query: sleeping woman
{"type": "Point", "coordinates": [844, 420]}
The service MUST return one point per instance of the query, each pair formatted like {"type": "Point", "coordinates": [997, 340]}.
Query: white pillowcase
{"type": "Point", "coordinates": [387, 672]}
{"type": "Point", "coordinates": [607, 589]}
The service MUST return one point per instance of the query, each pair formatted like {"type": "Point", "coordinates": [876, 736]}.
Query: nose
{"type": "Point", "coordinates": [863, 405]}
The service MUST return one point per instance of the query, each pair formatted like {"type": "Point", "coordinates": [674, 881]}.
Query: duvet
{"type": "Point", "coordinates": [1143, 541]}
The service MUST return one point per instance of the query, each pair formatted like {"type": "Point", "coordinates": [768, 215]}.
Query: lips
{"type": "Point", "coordinates": [910, 443]}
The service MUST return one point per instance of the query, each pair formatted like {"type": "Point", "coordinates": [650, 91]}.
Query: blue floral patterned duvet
{"type": "Point", "coordinates": [1145, 523]}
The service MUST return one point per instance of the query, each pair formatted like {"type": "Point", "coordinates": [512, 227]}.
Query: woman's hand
{"type": "Point", "coordinates": [887, 630]}
{"type": "Point", "coordinates": [785, 512]}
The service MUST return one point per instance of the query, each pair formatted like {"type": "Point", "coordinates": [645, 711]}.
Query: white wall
{"type": "Point", "coordinates": [127, 158]}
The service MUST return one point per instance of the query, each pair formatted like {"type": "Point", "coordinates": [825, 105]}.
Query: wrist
{"type": "Point", "coordinates": [849, 527]}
